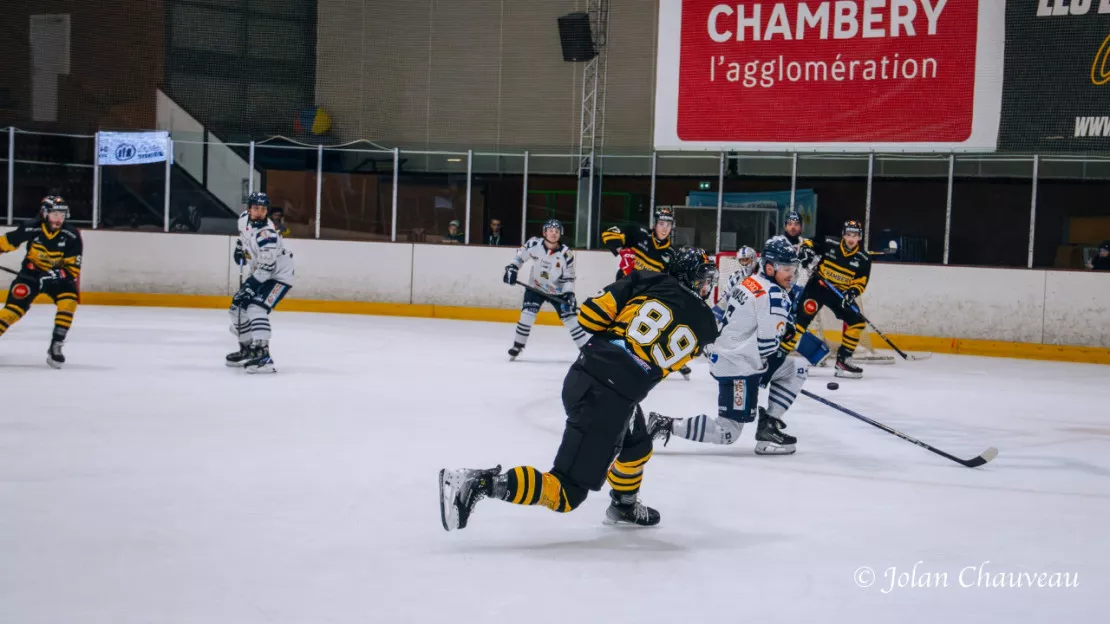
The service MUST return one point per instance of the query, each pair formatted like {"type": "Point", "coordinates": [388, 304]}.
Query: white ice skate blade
{"type": "Point", "coordinates": [768, 448]}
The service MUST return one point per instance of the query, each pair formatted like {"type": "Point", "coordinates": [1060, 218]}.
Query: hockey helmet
{"type": "Point", "coordinates": [258, 199]}
{"type": "Point", "coordinates": [553, 224]}
{"type": "Point", "coordinates": [853, 227]}
{"type": "Point", "coordinates": [694, 270]}
{"type": "Point", "coordinates": [793, 217]}
{"type": "Point", "coordinates": [53, 203]}
{"type": "Point", "coordinates": [664, 213]}
{"type": "Point", "coordinates": [745, 256]}
{"type": "Point", "coordinates": [778, 252]}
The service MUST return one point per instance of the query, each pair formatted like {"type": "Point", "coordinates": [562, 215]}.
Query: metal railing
{"type": "Point", "coordinates": [692, 165]}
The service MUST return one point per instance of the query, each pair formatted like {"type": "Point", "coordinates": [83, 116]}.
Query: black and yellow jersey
{"type": "Point", "coordinates": [651, 254]}
{"type": "Point", "coordinates": [46, 250]}
{"type": "Point", "coordinates": [646, 326]}
{"type": "Point", "coordinates": [840, 267]}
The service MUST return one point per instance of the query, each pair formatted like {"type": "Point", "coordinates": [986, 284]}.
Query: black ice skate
{"type": "Point", "coordinates": [685, 372]}
{"type": "Point", "coordinates": [459, 491]}
{"type": "Point", "coordinates": [260, 361]}
{"type": "Point", "coordinates": [769, 437]}
{"type": "Point", "coordinates": [660, 427]}
{"type": "Point", "coordinates": [515, 350]}
{"type": "Point", "coordinates": [240, 358]}
{"type": "Point", "coordinates": [626, 509]}
{"type": "Point", "coordinates": [54, 356]}
{"type": "Point", "coordinates": [845, 368]}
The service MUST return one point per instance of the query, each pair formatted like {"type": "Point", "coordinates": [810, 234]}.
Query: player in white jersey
{"type": "Point", "coordinates": [261, 250]}
{"type": "Point", "coordinates": [746, 356]}
{"type": "Point", "coordinates": [551, 280]}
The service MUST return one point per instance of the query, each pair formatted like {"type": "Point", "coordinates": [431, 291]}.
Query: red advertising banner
{"type": "Point", "coordinates": [904, 75]}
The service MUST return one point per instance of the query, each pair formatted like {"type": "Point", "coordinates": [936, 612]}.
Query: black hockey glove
{"type": "Point", "coordinates": [240, 256]}
{"type": "Point", "coordinates": [572, 303]}
{"type": "Point", "coordinates": [510, 274]}
{"type": "Point", "coordinates": [247, 291]}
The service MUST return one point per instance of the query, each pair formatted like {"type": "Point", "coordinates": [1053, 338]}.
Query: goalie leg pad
{"type": "Point", "coordinates": [812, 348]}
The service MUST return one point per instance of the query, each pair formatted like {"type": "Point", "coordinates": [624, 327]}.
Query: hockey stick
{"type": "Point", "coordinates": [6, 269]}
{"type": "Point", "coordinates": [974, 462]}
{"type": "Point", "coordinates": [553, 299]}
{"type": "Point", "coordinates": [905, 356]}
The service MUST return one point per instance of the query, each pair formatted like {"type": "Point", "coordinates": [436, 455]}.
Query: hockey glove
{"type": "Point", "coordinates": [571, 302]}
{"type": "Point", "coordinates": [510, 274]}
{"type": "Point", "coordinates": [247, 291]}
{"type": "Point", "coordinates": [52, 276]}
{"type": "Point", "coordinates": [850, 298]}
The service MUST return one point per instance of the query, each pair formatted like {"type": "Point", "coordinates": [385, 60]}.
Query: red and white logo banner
{"type": "Point", "coordinates": [860, 75]}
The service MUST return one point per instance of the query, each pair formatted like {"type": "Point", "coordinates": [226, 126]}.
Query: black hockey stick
{"type": "Point", "coordinates": [855, 308]}
{"type": "Point", "coordinates": [12, 271]}
{"type": "Point", "coordinates": [974, 462]}
{"type": "Point", "coordinates": [551, 298]}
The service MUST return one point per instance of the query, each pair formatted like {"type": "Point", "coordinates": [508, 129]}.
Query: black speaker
{"type": "Point", "coordinates": [574, 33]}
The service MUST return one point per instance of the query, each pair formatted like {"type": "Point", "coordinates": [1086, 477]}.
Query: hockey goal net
{"type": "Point", "coordinates": [727, 264]}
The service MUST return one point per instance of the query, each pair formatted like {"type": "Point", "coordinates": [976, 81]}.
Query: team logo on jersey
{"type": "Point", "coordinates": [810, 306]}
{"type": "Point", "coordinates": [20, 291]}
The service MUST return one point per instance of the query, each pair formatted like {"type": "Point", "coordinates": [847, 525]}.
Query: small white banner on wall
{"type": "Point", "coordinates": [133, 148]}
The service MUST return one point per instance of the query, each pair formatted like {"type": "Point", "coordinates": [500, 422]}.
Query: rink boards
{"type": "Point", "coordinates": [1006, 312]}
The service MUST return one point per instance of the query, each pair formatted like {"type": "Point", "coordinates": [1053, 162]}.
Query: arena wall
{"type": "Point", "coordinates": [1040, 314]}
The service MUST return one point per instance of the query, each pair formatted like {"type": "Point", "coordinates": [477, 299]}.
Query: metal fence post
{"type": "Point", "coordinates": [469, 180]}
{"type": "Point", "coordinates": [720, 200]}
{"type": "Point", "coordinates": [11, 175]}
{"type": "Point", "coordinates": [319, 184]}
{"type": "Point", "coordinates": [96, 183]}
{"type": "Point", "coordinates": [524, 204]}
{"type": "Point", "coordinates": [169, 174]}
{"type": "Point", "coordinates": [651, 205]}
{"type": "Point", "coordinates": [250, 174]}
{"type": "Point", "coordinates": [396, 168]}
{"type": "Point", "coordinates": [948, 209]}
{"type": "Point", "coordinates": [1033, 208]}
{"type": "Point", "coordinates": [793, 179]}
{"type": "Point", "coordinates": [867, 206]}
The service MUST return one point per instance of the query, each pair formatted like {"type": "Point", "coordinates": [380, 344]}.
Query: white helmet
{"type": "Point", "coordinates": [746, 257]}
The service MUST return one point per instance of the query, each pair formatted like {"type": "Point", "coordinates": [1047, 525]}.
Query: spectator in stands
{"type": "Point", "coordinates": [277, 215]}
{"type": "Point", "coordinates": [1101, 261]}
{"type": "Point", "coordinates": [453, 234]}
{"type": "Point", "coordinates": [495, 233]}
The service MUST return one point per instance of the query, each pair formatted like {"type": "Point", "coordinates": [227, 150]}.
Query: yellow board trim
{"type": "Point", "coordinates": [906, 342]}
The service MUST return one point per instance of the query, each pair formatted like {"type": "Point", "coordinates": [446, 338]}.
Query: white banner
{"type": "Point", "coordinates": [132, 148]}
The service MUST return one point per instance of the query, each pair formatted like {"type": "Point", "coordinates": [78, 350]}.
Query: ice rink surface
{"type": "Point", "coordinates": [148, 483]}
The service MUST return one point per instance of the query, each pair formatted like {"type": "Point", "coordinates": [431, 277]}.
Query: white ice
{"type": "Point", "coordinates": [148, 483]}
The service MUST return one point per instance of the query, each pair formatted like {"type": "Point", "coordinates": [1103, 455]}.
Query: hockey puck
{"type": "Point", "coordinates": [832, 385]}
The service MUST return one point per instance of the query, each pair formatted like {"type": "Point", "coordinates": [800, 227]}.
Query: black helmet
{"type": "Point", "coordinates": [553, 224]}
{"type": "Point", "coordinates": [259, 199]}
{"type": "Point", "coordinates": [692, 267]}
{"type": "Point", "coordinates": [852, 227]}
{"type": "Point", "coordinates": [793, 217]}
{"type": "Point", "coordinates": [53, 203]}
{"type": "Point", "coordinates": [664, 213]}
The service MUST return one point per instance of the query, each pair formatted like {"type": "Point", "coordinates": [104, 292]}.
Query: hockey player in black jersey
{"type": "Point", "coordinates": [640, 249]}
{"type": "Point", "coordinates": [644, 327]}
{"type": "Point", "coordinates": [845, 267]}
{"type": "Point", "coordinates": [51, 266]}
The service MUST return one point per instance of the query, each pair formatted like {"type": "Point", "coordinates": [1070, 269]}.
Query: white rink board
{"type": "Point", "coordinates": [957, 302]}
{"type": "Point", "coordinates": [154, 262]}
{"type": "Point", "coordinates": [1077, 309]}
{"type": "Point", "coordinates": [1012, 305]}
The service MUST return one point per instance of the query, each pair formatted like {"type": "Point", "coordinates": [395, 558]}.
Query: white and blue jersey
{"type": "Point", "coordinates": [754, 317]}
{"type": "Point", "coordinates": [269, 260]}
